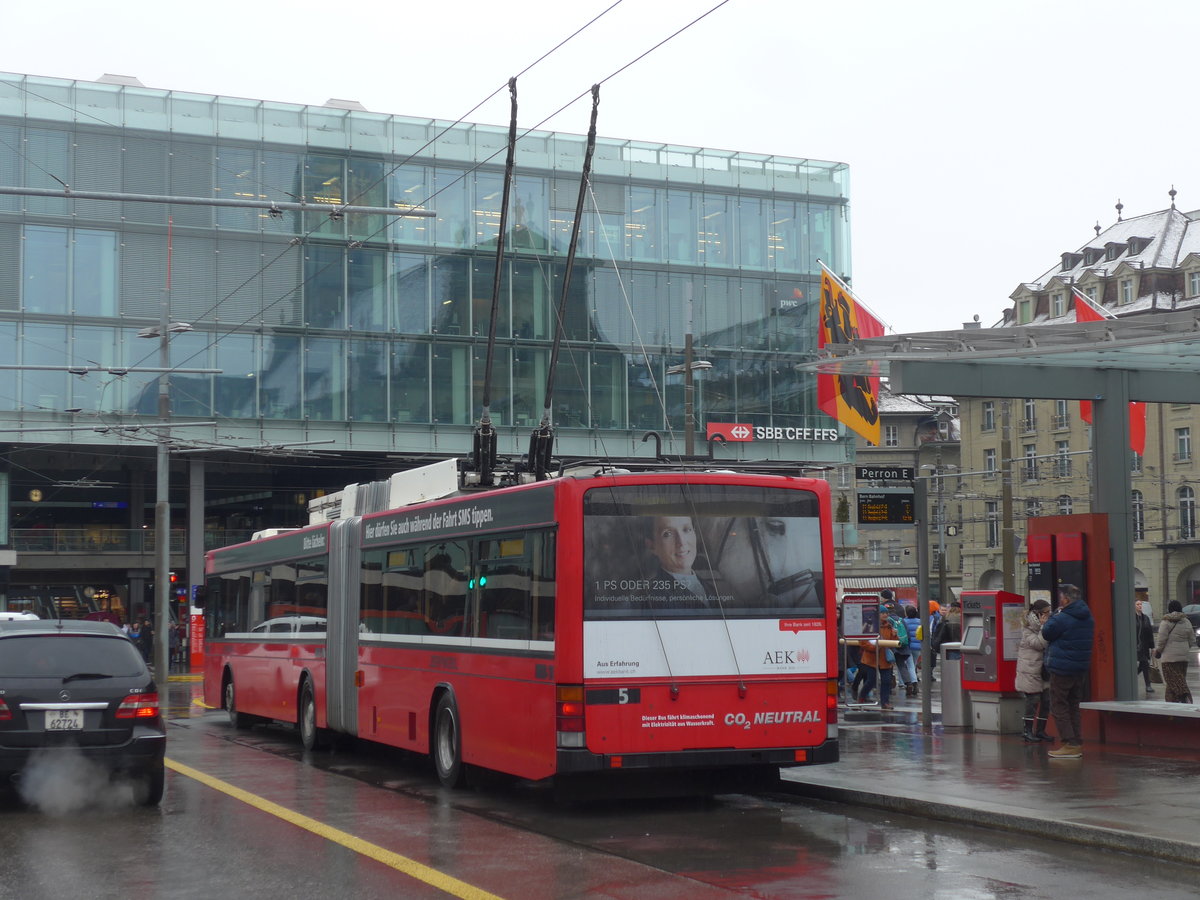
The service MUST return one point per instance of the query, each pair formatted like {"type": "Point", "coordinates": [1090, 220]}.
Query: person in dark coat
{"type": "Point", "coordinates": [1145, 643]}
{"type": "Point", "coordinates": [1069, 634]}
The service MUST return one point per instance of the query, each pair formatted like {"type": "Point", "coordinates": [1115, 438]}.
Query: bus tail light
{"type": "Point", "coordinates": [831, 708]}
{"type": "Point", "coordinates": [568, 715]}
{"type": "Point", "coordinates": [138, 706]}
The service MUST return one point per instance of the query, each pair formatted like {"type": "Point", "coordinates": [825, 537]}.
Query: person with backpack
{"type": "Point", "coordinates": [912, 653]}
{"type": "Point", "coordinates": [928, 630]}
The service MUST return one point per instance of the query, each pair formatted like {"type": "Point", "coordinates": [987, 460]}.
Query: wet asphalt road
{"type": "Point", "coordinates": [249, 814]}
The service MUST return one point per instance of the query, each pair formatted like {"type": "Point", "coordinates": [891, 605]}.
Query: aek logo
{"type": "Point", "coordinates": [785, 657]}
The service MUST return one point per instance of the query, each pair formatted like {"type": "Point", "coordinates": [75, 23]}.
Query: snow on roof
{"type": "Point", "coordinates": [1166, 230]}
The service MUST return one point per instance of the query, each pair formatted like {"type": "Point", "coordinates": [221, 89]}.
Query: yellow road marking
{"type": "Point", "coordinates": [410, 867]}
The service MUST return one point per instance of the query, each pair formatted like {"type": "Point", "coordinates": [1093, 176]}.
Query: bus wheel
{"type": "Point", "coordinates": [447, 743]}
{"type": "Point", "coordinates": [312, 737]}
{"type": "Point", "coordinates": [238, 720]}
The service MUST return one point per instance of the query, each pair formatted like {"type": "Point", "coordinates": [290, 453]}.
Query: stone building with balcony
{"type": "Point", "coordinates": [1032, 457]}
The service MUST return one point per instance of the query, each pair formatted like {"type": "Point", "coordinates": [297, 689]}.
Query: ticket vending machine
{"type": "Point", "coordinates": [991, 631]}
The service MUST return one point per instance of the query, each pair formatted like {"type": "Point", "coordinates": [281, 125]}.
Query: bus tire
{"type": "Point", "coordinates": [311, 737]}
{"type": "Point", "coordinates": [447, 743]}
{"type": "Point", "coordinates": [238, 720]}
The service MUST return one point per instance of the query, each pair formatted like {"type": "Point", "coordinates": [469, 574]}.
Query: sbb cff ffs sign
{"type": "Point", "coordinates": [885, 508]}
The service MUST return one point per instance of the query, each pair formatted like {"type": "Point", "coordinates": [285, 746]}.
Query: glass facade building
{"type": "Point", "coordinates": [370, 327]}
{"type": "Point", "coordinates": [364, 333]}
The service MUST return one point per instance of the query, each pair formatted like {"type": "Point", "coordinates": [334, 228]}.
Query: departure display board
{"type": "Point", "coordinates": [885, 508]}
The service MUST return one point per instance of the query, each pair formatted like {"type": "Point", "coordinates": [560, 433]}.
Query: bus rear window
{"type": "Point", "coordinates": [701, 551]}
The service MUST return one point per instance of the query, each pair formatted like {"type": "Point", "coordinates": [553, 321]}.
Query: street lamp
{"type": "Point", "coordinates": [162, 499]}
{"type": "Point", "coordinates": [688, 370]}
{"type": "Point", "coordinates": [939, 475]}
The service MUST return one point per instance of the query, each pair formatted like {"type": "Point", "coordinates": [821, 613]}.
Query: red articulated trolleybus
{"type": "Point", "coordinates": [583, 624]}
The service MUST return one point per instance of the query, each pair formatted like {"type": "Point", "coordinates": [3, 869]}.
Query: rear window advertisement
{"type": "Point", "coordinates": [701, 566]}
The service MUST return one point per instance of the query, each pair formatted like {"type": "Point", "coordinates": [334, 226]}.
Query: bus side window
{"type": "Point", "coordinates": [446, 588]}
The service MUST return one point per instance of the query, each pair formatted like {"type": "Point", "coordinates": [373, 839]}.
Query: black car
{"type": "Point", "coordinates": [78, 686]}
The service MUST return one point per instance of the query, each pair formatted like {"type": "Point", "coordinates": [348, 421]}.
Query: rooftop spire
{"type": "Point", "coordinates": [1097, 228]}
{"type": "Point", "coordinates": [1171, 193]}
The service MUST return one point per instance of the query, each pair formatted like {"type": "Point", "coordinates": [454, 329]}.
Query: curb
{"type": "Point", "coordinates": [1003, 818]}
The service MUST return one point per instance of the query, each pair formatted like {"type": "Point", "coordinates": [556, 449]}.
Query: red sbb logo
{"type": "Point", "coordinates": [731, 431]}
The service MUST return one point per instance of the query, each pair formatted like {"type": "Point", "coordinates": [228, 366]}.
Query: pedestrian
{"type": "Point", "coordinates": [878, 659]}
{"type": "Point", "coordinates": [1069, 634]}
{"type": "Point", "coordinates": [1144, 629]}
{"type": "Point", "coordinates": [146, 640]}
{"type": "Point", "coordinates": [1032, 680]}
{"type": "Point", "coordinates": [1176, 640]}
{"type": "Point", "coordinates": [906, 662]}
{"type": "Point", "coordinates": [173, 644]}
{"type": "Point", "coordinates": [949, 629]}
{"type": "Point", "coordinates": [928, 631]}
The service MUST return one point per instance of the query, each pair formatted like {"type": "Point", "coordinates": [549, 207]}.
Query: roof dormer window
{"type": "Point", "coordinates": [1137, 245]}
{"type": "Point", "coordinates": [1092, 255]}
{"type": "Point", "coordinates": [1113, 249]}
{"type": "Point", "coordinates": [1070, 260]}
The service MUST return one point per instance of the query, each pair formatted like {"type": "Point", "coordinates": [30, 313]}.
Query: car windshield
{"type": "Point", "coordinates": [65, 655]}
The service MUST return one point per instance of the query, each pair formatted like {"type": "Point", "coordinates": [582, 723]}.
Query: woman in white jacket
{"type": "Point", "coordinates": [1176, 640]}
{"type": "Point", "coordinates": [1031, 652]}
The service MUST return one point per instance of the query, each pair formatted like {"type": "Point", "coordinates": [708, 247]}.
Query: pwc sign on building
{"type": "Point", "coordinates": [734, 431]}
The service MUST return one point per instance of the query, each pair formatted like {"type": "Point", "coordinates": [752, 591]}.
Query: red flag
{"type": "Point", "coordinates": [851, 399]}
{"type": "Point", "coordinates": [1086, 312]}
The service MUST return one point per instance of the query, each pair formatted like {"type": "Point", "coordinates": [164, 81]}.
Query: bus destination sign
{"type": "Point", "coordinates": [884, 473]}
{"type": "Point", "coordinates": [885, 508]}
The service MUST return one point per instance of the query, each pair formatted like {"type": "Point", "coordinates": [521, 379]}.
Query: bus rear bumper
{"type": "Point", "coordinates": [586, 761]}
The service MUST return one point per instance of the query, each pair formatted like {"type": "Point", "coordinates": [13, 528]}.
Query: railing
{"type": "Point", "coordinates": [112, 540]}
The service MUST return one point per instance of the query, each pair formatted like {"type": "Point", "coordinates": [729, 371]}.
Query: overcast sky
{"type": "Point", "coordinates": [983, 138]}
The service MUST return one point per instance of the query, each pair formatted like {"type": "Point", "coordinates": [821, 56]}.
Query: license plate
{"type": "Point", "coordinates": [64, 720]}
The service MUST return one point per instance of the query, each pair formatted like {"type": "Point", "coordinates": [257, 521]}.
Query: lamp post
{"type": "Point", "coordinates": [162, 498]}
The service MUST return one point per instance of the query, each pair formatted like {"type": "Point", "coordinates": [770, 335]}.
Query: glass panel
{"type": "Point", "coordinates": [451, 384]}
{"type": "Point", "coordinates": [489, 192]}
{"type": "Point", "coordinates": [236, 386]}
{"type": "Point", "coordinates": [44, 267]}
{"type": "Point", "coordinates": [324, 379]}
{"type": "Point", "coordinates": [529, 386]}
{"type": "Point", "coordinates": [44, 345]}
{"type": "Point", "coordinates": [501, 405]}
{"type": "Point", "coordinates": [751, 232]}
{"type": "Point", "coordinates": [94, 392]}
{"type": "Point", "coordinates": [190, 393]}
{"type": "Point", "coordinates": [94, 272]}
{"type": "Point", "coordinates": [451, 286]}
{"type": "Point", "coordinates": [608, 390]}
{"type": "Point", "coordinates": [532, 300]}
{"type": "Point", "coordinates": [235, 178]}
{"type": "Point", "coordinates": [643, 227]}
{"type": "Point", "coordinates": [716, 244]}
{"type": "Point", "coordinates": [367, 290]}
{"type": "Point", "coordinates": [446, 587]}
{"type": "Point", "coordinates": [682, 232]}
{"type": "Point", "coordinates": [409, 188]}
{"type": "Point", "coordinates": [822, 242]}
{"type": "Point", "coordinates": [449, 199]}
{"type": "Point", "coordinates": [280, 390]}
{"type": "Point", "coordinates": [645, 382]}
{"type": "Point", "coordinates": [323, 286]}
{"type": "Point", "coordinates": [410, 381]}
{"type": "Point", "coordinates": [483, 276]}
{"type": "Point", "coordinates": [410, 292]}
{"type": "Point", "coordinates": [368, 187]}
{"type": "Point", "coordinates": [368, 371]}
{"type": "Point", "coordinates": [8, 351]}
{"type": "Point", "coordinates": [783, 236]}
{"type": "Point", "coordinates": [324, 183]}
{"type": "Point", "coordinates": [528, 216]}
